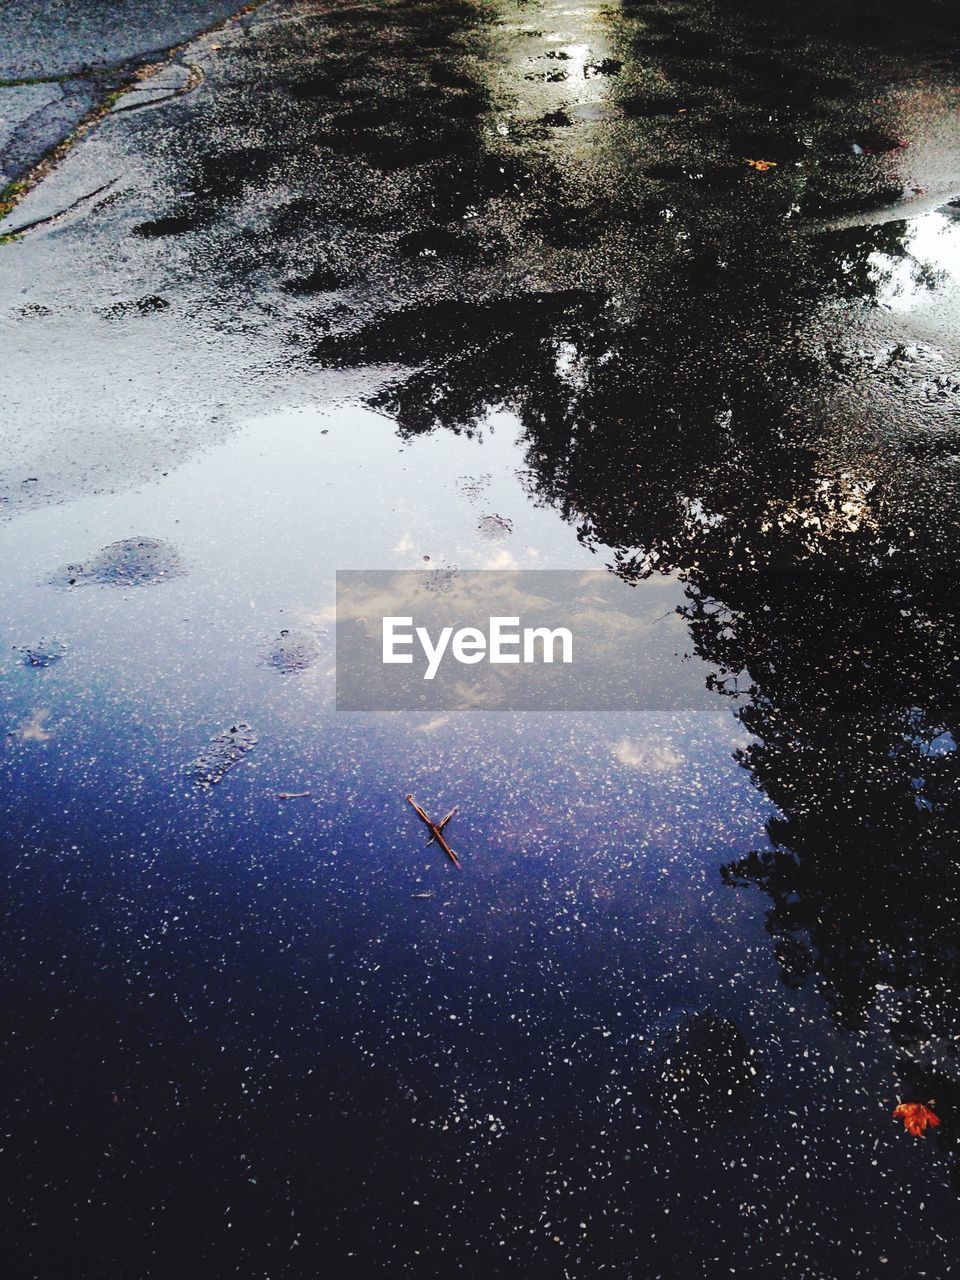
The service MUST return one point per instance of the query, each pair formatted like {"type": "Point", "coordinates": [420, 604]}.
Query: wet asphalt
{"type": "Point", "coordinates": [59, 62]}
{"type": "Point", "coordinates": [671, 289]}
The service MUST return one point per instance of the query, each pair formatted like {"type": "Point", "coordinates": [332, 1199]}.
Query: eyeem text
{"type": "Point", "coordinates": [502, 642]}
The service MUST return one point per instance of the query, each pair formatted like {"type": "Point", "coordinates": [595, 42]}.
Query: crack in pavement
{"type": "Point", "coordinates": [60, 213]}
{"type": "Point", "coordinates": [194, 81]}
{"type": "Point", "coordinates": [26, 161]}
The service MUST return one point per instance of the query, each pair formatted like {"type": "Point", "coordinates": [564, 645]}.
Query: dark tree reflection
{"type": "Point", "coordinates": [677, 397]}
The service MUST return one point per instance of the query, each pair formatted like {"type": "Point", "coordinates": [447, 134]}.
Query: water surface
{"type": "Point", "coordinates": [451, 287]}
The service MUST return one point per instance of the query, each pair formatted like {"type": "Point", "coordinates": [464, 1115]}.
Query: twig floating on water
{"type": "Point", "coordinates": [293, 795]}
{"type": "Point", "coordinates": [442, 823]}
{"type": "Point", "coordinates": [435, 829]}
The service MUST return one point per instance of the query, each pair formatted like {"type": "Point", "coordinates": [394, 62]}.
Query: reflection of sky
{"type": "Point", "coordinates": [262, 524]}
{"type": "Point", "coordinates": [474, 1027]}
{"type": "Point", "coordinates": [557, 65]}
{"type": "Point", "coordinates": [929, 268]}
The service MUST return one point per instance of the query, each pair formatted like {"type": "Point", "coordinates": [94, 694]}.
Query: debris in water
{"type": "Point", "coordinates": [916, 1116]}
{"type": "Point", "coordinates": [222, 753]}
{"type": "Point", "coordinates": [42, 654]}
{"type": "Point", "coordinates": [291, 651]}
{"type": "Point", "coordinates": [762, 166]}
{"type": "Point", "coordinates": [495, 528]}
{"type": "Point", "coordinates": [137, 306]}
{"type": "Point", "coordinates": [134, 562]}
{"type": "Point", "coordinates": [436, 829]}
{"type": "Point", "coordinates": [704, 1069]}
{"type": "Point", "coordinates": [472, 487]}
{"type": "Point", "coordinates": [294, 795]}
{"type": "Point", "coordinates": [440, 581]}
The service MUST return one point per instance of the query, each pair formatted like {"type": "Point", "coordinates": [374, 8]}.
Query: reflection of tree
{"type": "Point", "coordinates": [835, 603]}
{"type": "Point", "coordinates": [852, 639]}
{"type": "Point", "coordinates": [670, 403]}
{"type": "Point", "coordinates": [653, 312]}
{"type": "Point", "coordinates": [364, 118]}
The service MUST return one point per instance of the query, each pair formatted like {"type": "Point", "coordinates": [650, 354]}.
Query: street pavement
{"type": "Point", "coordinates": [671, 289]}
{"type": "Point", "coordinates": [58, 60]}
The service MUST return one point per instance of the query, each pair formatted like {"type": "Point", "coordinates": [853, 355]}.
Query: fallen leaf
{"type": "Point", "coordinates": [762, 166]}
{"type": "Point", "coordinates": [916, 1116]}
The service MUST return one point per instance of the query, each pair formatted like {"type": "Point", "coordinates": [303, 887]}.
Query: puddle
{"type": "Point", "coordinates": [496, 290]}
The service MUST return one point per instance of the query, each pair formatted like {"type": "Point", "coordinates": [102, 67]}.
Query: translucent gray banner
{"type": "Point", "coordinates": [513, 640]}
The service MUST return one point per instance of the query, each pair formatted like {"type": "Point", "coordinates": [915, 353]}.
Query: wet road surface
{"type": "Point", "coordinates": [59, 62]}
{"type": "Point", "coordinates": [668, 288]}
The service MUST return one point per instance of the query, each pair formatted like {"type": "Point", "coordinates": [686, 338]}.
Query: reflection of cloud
{"type": "Point", "coordinates": [33, 730]}
{"type": "Point", "coordinates": [627, 641]}
{"type": "Point", "coordinates": [647, 756]}
{"type": "Point", "coordinates": [478, 697]}
{"type": "Point", "coordinates": [501, 559]}
{"type": "Point", "coordinates": [602, 610]}
{"type": "Point", "coordinates": [431, 726]}
{"type": "Point", "coordinates": [324, 617]}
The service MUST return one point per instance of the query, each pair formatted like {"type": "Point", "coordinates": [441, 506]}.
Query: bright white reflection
{"type": "Point", "coordinates": [930, 264]}
{"type": "Point", "coordinates": [560, 70]}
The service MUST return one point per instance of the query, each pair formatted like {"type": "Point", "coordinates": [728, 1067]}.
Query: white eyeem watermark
{"type": "Point", "coordinates": [503, 643]}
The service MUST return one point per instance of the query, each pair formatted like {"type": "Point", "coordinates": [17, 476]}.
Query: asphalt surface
{"type": "Point", "coordinates": [58, 61]}
{"type": "Point", "coordinates": [672, 289]}
{"type": "Point", "coordinates": [316, 171]}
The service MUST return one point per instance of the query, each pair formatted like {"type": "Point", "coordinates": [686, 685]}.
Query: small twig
{"type": "Point", "coordinates": [293, 795]}
{"type": "Point", "coordinates": [442, 823]}
{"type": "Point", "coordinates": [435, 829]}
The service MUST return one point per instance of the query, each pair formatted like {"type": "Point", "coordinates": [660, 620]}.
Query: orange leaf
{"type": "Point", "coordinates": [762, 165]}
{"type": "Point", "coordinates": [916, 1116]}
